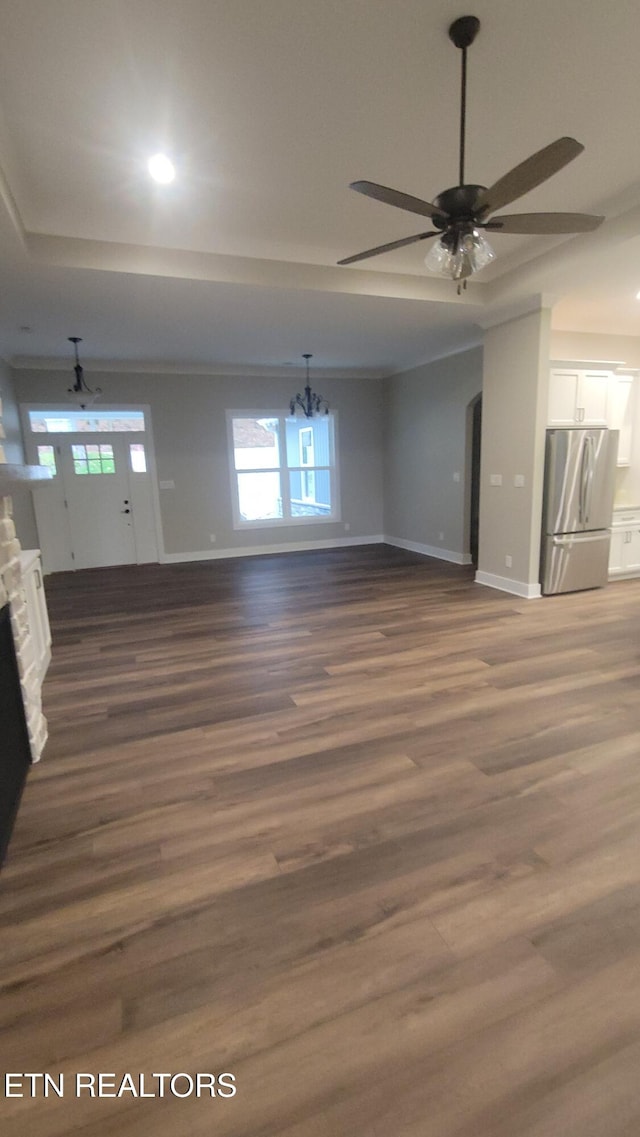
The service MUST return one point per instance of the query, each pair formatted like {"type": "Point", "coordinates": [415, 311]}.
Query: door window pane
{"type": "Point", "coordinates": [93, 459]}
{"type": "Point", "coordinates": [107, 462]}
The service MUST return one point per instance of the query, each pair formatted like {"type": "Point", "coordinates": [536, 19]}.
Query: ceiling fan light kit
{"type": "Point", "coordinates": [461, 212]}
{"type": "Point", "coordinates": [459, 255]}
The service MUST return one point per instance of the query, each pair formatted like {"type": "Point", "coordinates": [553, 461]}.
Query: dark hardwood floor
{"type": "Point", "coordinates": [346, 825]}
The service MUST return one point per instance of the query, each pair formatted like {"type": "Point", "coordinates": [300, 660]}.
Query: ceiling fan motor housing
{"type": "Point", "coordinates": [457, 204]}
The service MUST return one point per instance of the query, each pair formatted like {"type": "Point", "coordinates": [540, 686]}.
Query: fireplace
{"type": "Point", "coordinates": [15, 751]}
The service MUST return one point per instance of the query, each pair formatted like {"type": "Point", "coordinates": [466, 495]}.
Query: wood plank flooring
{"type": "Point", "coordinates": [347, 825]}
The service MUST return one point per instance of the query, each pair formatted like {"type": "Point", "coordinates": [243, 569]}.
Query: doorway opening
{"type": "Point", "coordinates": [474, 412]}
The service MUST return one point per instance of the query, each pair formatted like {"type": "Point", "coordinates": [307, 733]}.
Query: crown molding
{"type": "Point", "coordinates": [229, 370]}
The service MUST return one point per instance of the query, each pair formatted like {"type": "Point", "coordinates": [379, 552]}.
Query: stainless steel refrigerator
{"type": "Point", "coordinates": [579, 485]}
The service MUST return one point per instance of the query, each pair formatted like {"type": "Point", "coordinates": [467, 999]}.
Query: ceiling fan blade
{"type": "Point", "coordinates": [544, 223]}
{"type": "Point", "coordinates": [397, 198]}
{"type": "Point", "coordinates": [387, 248]}
{"type": "Point", "coordinates": [529, 174]}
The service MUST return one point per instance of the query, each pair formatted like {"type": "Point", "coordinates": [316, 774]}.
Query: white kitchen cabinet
{"type": "Point", "coordinates": [578, 397]}
{"type": "Point", "coordinates": [631, 554]}
{"type": "Point", "coordinates": [36, 609]}
{"type": "Point", "coordinates": [615, 550]}
{"type": "Point", "coordinates": [624, 551]}
{"type": "Point", "coordinates": [621, 413]}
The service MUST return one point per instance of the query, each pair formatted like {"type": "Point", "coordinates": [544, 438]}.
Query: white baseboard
{"type": "Point", "coordinates": [430, 550]}
{"type": "Point", "coordinates": [257, 550]}
{"type": "Point", "coordinates": [505, 584]}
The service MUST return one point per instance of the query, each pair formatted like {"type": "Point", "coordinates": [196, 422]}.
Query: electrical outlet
{"type": "Point", "coordinates": [456, 476]}
{"type": "Point", "coordinates": [212, 538]}
{"type": "Point", "coordinates": [495, 479]}
{"type": "Point", "coordinates": [346, 526]}
{"type": "Point", "coordinates": [518, 480]}
{"type": "Point", "coordinates": [508, 560]}
{"type": "Point", "coordinates": [441, 536]}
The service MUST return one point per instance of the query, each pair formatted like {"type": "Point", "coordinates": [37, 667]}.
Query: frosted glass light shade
{"type": "Point", "coordinates": [459, 255]}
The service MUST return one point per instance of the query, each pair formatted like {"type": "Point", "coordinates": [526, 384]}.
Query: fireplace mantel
{"type": "Point", "coordinates": [14, 477]}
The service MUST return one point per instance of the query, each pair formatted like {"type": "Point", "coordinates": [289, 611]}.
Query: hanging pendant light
{"type": "Point", "coordinates": [310, 404]}
{"type": "Point", "coordinates": [80, 393]}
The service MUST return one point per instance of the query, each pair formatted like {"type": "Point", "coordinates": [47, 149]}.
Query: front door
{"type": "Point", "coordinates": [98, 496]}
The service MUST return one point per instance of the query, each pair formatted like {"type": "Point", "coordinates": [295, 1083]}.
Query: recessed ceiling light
{"type": "Point", "coordinates": [161, 169]}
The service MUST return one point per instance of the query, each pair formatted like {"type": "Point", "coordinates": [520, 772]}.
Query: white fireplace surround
{"type": "Point", "coordinates": [12, 591]}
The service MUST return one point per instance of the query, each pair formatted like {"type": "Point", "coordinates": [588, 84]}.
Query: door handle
{"type": "Point", "coordinates": [576, 539]}
{"type": "Point", "coordinates": [125, 511]}
{"type": "Point", "coordinates": [589, 482]}
{"type": "Point", "coordinates": [583, 482]}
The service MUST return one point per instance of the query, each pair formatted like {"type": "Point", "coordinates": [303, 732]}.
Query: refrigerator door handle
{"type": "Point", "coordinates": [583, 482]}
{"type": "Point", "coordinates": [591, 466]}
{"type": "Point", "coordinates": [579, 538]}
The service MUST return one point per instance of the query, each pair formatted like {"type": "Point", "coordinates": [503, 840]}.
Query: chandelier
{"type": "Point", "coordinates": [80, 393]}
{"type": "Point", "coordinates": [309, 403]}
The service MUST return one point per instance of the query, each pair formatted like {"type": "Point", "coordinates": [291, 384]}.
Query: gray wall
{"type": "Point", "coordinates": [426, 443]}
{"type": "Point", "coordinates": [23, 514]}
{"type": "Point", "coordinates": [189, 428]}
{"type": "Point", "coordinates": [514, 418]}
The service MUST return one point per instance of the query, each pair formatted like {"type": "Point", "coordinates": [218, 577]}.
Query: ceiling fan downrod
{"type": "Point", "coordinates": [462, 33]}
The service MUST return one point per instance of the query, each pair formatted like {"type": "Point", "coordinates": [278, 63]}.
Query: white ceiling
{"type": "Point", "coordinates": [269, 109]}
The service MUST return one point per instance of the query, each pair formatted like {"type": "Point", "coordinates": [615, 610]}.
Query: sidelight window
{"type": "Point", "coordinates": [47, 457]}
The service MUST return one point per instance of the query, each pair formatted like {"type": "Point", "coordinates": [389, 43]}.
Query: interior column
{"type": "Point", "coordinates": [514, 415]}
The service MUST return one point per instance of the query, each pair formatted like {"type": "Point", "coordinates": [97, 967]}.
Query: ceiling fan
{"type": "Point", "coordinates": [461, 212]}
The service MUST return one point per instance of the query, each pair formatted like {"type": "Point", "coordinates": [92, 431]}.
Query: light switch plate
{"type": "Point", "coordinates": [495, 479]}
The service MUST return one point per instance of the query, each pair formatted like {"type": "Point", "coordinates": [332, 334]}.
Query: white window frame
{"type": "Point", "coordinates": [284, 470]}
{"type": "Point", "coordinates": [308, 477]}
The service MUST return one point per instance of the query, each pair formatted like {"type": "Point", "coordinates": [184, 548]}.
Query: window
{"type": "Point", "coordinates": [85, 422]}
{"type": "Point", "coordinates": [92, 459]}
{"type": "Point", "coordinates": [283, 469]}
{"type": "Point", "coordinates": [137, 457]}
{"type": "Point", "coordinates": [47, 457]}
